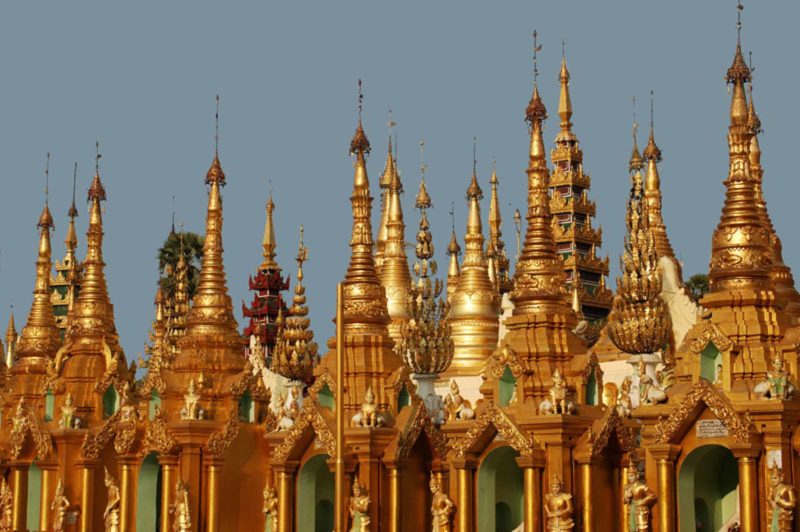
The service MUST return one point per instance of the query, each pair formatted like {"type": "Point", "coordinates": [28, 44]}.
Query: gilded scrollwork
{"type": "Point", "coordinates": [507, 357]}
{"type": "Point", "coordinates": [94, 443]}
{"type": "Point", "coordinates": [495, 417]}
{"type": "Point", "coordinates": [419, 424]}
{"type": "Point", "coordinates": [26, 422]}
{"type": "Point", "coordinates": [739, 425]}
{"type": "Point", "coordinates": [219, 442]}
{"type": "Point", "coordinates": [711, 333]}
{"type": "Point", "coordinates": [309, 417]}
{"type": "Point", "coordinates": [158, 438]}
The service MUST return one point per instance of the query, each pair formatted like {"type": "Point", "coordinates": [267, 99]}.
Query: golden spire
{"type": "Point", "coordinates": [389, 171]}
{"type": "Point", "coordinates": [268, 242]}
{"type": "Point", "coordinates": [425, 343]}
{"type": "Point", "coordinates": [295, 353]}
{"type": "Point", "coordinates": [93, 315]}
{"type": "Point", "coordinates": [740, 262]}
{"type": "Point", "coordinates": [364, 296]}
{"type": "Point", "coordinates": [179, 306]}
{"type": "Point", "coordinates": [639, 321]}
{"type": "Point", "coordinates": [211, 316]}
{"type": "Point", "coordinates": [652, 193]}
{"type": "Point", "coordinates": [475, 304]}
{"type": "Point", "coordinates": [454, 250]}
{"type": "Point", "coordinates": [71, 239]}
{"type": "Point", "coordinates": [780, 273]}
{"type": "Point", "coordinates": [539, 276]}
{"type": "Point", "coordinates": [636, 162]}
{"type": "Point", "coordinates": [496, 250]}
{"type": "Point", "coordinates": [40, 337]}
{"type": "Point", "coordinates": [393, 272]}
{"type": "Point", "coordinates": [564, 102]}
{"type": "Point", "coordinates": [11, 340]}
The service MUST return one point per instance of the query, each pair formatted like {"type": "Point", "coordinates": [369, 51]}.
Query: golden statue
{"type": "Point", "coordinates": [558, 508]}
{"type": "Point", "coordinates": [638, 498]}
{"type": "Point", "coordinates": [560, 400]}
{"type": "Point", "coordinates": [610, 393]}
{"type": "Point", "coordinates": [182, 520]}
{"type": "Point", "coordinates": [776, 385]}
{"type": "Point", "coordinates": [6, 507]}
{"type": "Point", "coordinates": [781, 503]}
{"type": "Point", "coordinates": [270, 507]}
{"type": "Point", "coordinates": [359, 508]}
{"type": "Point", "coordinates": [191, 405]}
{"type": "Point", "coordinates": [67, 420]}
{"type": "Point", "coordinates": [456, 406]}
{"type": "Point", "coordinates": [59, 506]}
{"type": "Point", "coordinates": [111, 513]}
{"type": "Point", "coordinates": [624, 403]}
{"type": "Point", "coordinates": [369, 415]}
{"type": "Point", "coordinates": [441, 507]}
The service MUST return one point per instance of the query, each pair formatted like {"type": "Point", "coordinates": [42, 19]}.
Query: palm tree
{"type": "Point", "coordinates": [698, 285]}
{"type": "Point", "coordinates": [170, 252]}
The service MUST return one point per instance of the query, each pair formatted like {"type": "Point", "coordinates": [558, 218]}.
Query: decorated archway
{"type": "Point", "coordinates": [315, 495]}
{"type": "Point", "coordinates": [500, 491]}
{"type": "Point", "coordinates": [708, 489]}
{"type": "Point", "coordinates": [148, 495]}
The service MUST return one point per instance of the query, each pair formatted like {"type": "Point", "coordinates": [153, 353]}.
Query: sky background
{"type": "Point", "coordinates": [141, 77]}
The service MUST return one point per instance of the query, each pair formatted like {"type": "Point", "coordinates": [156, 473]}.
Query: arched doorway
{"type": "Point", "coordinates": [34, 496]}
{"type": "Point", "coordinates": [500, 491]}
{"type": "Point", "coordinates": [315, 495]}
{"type": "Point", "coordinates": [708, 489]}
{"type": "Point", "coordinates": [148, 496]}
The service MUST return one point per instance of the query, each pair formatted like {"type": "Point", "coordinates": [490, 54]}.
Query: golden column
{"type": "Point", "coordinates": [49, 472]}
{"type": "Point", "coordinates": [19, 485]}
{"type": "Point", "coordinates": [213, 473]}
{"type": "Point", "coordinates": [394, 497]}
{"type": "Point", "coordinates": [532, 467]}
{"type": "Point", "coordinates": [665, 455]}
{"type": "Point", "coordinates": [465, 469]}
{"type": "Point", "coordinates": [586, 464]}
{"type": "Point", "coordinates": [748, 487]}
{"type": "Point", "coordinates": [88, 468]}
{"type": "Point", "coordinates": [285, 490]}
{"type": "Point", "coordinates": [169, 477]}
{"type": "Point", "coordinates": [127, 484]}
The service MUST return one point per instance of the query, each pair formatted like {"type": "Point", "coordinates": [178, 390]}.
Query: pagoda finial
{"type": "Point", "coordinates": [639, 321]}
{"type": "Point", "coordinates": [360, 143]}
{"type": "Point", "coordinates": [564, 100]}
{"type": "Point", "coordinates": [496, 249]}
{"type": "Point", "coordinates": [454, 250]}
{"type": "Point", "coordinates": [393, 272]}
{"type": "Point", "coordinates": [216, 128]}
{"type": "Point", "coordinates": [46, 219]}
{"type": "Point", "coordinates": [40, 337]}
{"type": "Point", "coordinates": [172, 232]}
{"type": "Point", "coordinates": [539, 275]}
{"type": "Point", "coordinates": [423, 199]}
{"type": "Point", "coordinates": [536, 111]}
{"type": "Point", "coordinates": [652, 193]}
{"type": "Point", "coordinates": [636, 162]}
{"type": "Point", "coordinates": [739, 265]}
{"type": "Point", "coordinates": [651, 151]}
{"type": "Point", "coordinates": [215, 173]}
{"type": "Point", "coordinates": [389, 173]}
{"type": "Point", "coordinates": [268, 242]}
{"type": "Point", "coordinates": [71, 239]}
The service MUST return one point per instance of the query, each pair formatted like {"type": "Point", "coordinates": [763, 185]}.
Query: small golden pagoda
{"type": "Point", "coordinates": [65, 284]}
{"type": "Point", "coordinates": [577, 241]}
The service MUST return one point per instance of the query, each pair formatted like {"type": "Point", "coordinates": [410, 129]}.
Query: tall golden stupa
{"type": "Point", "coordinates": [467, 399]}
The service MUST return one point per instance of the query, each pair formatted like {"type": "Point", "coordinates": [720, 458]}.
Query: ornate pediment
{"type": "Point", "coordinates": [417, 424]}
{"type": "Point", "coordinates": [599, 433]}
{"type": "Point", "coordinates": [26, 422]}
{"type": "Point", "coordinates": [506, 357]}
{"type": "Point", "coordinates": [308, 424]}
{"type": "Point", "coordinates": [703, 395]}
{"type": "Point", "coordinates": [493, 418]}
{"type": "Point", "coordinates": [710, 333]}
{"type": "Point", "coordinates": [321, 380]}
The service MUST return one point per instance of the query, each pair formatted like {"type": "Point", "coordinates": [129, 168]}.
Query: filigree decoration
{"type": "Point", "coordinates": [51, 381]}
{"type": "Point", "coordinates": [93, 444]}
{"type": "Point", "coordinates": [308, 419]}
{"type": "Point", "coordinates": [711, 333]}
{"type": "Point", "coordinates": [601, 430]}
{"type": "Point", "coordinates": [125, 438]}
{"type": "Point", "coordinates": [219, 441]}
{"type": "Point", "coordinates": [703, 392]}
{"type": "Point", "coordinates": [507, 357]}
{"type": "Point", "coordinates": [324, 378]}
{"type": "Point", "coordinates": [157, 437]}
{"type": "Point", "coordinates": [494, 416]}
{"type": "Point", "coordinates": [404, 379]}
{"type": "Point", "coordinates": [421, 422]}
{"type": "Point", "coordinates": [26, 422]}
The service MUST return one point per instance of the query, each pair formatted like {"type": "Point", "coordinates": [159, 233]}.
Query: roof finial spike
{"type": "Point", "coordinates": [97, 157]}
{"type": "Point", "coordinates": [360, 101]}
{"type": "Point", "coordinates": [172, 231]}
{"type": "Point", "coordinates": [474, 156]}
{"type": "Point", "coordinates": [536, 48]}
{"type": "Point", "coordinates": [563, 48]}
{"type": "Point", "coordinates": [739, 9]}
{"type": "Point", "coordinates": [73, 211]}
{"type": "Point", "coordinates": [453, 216]}
{"type": "Point", "coordinates": [47, 180]}
{"type": "Point", "coordinates": [652, 105]}
{"type": "Point", "coordinates": [216, 129]}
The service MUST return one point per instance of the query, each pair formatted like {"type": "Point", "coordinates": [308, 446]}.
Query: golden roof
{"type": "Point", "coordinates": [268, 242]}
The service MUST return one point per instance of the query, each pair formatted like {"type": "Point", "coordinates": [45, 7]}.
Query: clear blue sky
{"type": "Point", "coordinates": [141, 77]}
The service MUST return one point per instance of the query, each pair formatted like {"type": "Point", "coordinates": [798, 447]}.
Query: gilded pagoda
{"type": "Point", "coordinates": [470, 399]}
